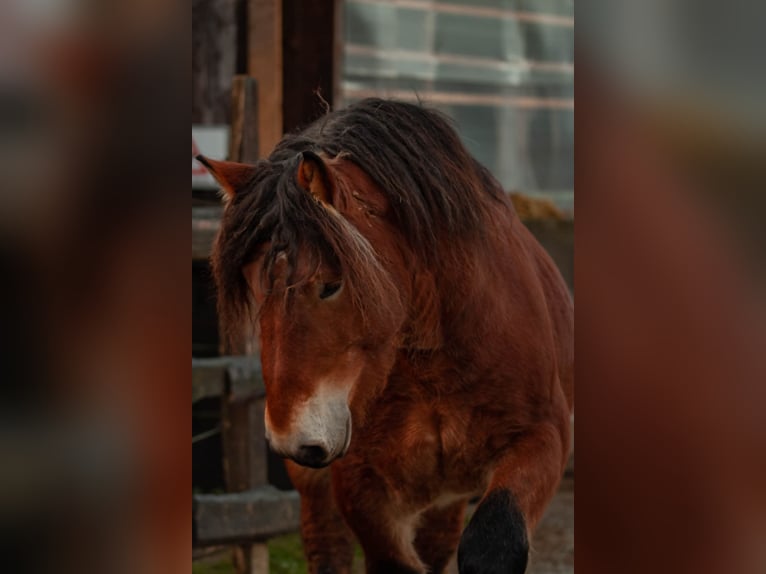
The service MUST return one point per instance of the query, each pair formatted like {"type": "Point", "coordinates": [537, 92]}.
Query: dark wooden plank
{"type": "Point", "coordinates": [214, 58]}
{"type": "Point", "coordinates": [311, 45]}
{"type": "Point", "coordinates": [239, 376]}
{"type": "Point", "coordinates": [265, 65]}
{"type": "Point", "coordinates": [244, 516]}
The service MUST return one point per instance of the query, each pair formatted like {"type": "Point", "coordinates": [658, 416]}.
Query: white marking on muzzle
{"type": "Point", "coordinates": [324, 420]}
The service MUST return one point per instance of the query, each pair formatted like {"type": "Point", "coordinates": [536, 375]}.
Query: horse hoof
{"type": "Point", "coordinates": [495, 541]}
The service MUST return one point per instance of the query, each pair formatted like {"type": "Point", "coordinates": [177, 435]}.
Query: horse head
{"type": "Point", "coordinates": [327, 300]}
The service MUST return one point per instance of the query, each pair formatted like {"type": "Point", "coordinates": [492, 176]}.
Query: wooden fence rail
{"type": "Point", "coordinates": [248, 516]}
{"type": "Point", "coordinates": [240, 377]}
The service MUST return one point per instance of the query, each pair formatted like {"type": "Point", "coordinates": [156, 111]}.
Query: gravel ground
{"type": "Point", "coordinates": [553, 545]}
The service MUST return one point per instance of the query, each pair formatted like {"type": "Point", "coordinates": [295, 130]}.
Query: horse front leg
{"type": "Point", "coordinates": [328, 543]}
{"type": "Point", "coordinates": [438, 535]}
{"type": "Point", "coordinates": [496, 541]}
{"type": "Point", "coordinates": [385, 531]}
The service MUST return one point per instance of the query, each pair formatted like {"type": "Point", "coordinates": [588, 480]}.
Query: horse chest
{"type": "Point", "coordinates": [429, 453]}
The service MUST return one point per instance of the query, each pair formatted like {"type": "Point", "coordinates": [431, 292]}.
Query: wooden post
{"type": "Point", "coordinates": [265, 65]}
{"type": "Point", "coordinates": [245, 468]}
{"type": "Point", "coordinates": [214, 59]}
{"type": "Point", "coordinates": [243, 140]}
{"type": "Point", "coordinates": [244, 445]}
{"type": "Point", "coordinates": [252, 559]}
{"type": "Point", "coordinates": [312, 47]}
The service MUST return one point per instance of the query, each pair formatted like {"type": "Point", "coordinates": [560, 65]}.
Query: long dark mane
{"type": "Point", "coordinates": [434, 187]}
{"type": "Point", "coordinates": [415, 157]}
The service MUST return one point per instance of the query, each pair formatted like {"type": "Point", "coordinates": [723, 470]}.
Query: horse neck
{"type": "Point", "coordinates": [482, 284]}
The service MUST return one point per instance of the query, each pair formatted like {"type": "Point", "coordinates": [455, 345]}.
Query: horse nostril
{"type": "Point", "coordinates": [311, 455]}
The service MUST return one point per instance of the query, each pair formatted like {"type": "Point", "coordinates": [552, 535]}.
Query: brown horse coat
{"type": "Point", "coordinates": [416, 340]}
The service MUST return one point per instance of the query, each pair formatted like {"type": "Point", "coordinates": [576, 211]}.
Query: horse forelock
{"type": "Point", "coordinates": [437, 194]}
{"type": "Point", "coordinates": [275, 218]}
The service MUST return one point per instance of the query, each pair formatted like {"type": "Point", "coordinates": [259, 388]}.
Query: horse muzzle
{"type": "Point", "coordinates": [320, 434]}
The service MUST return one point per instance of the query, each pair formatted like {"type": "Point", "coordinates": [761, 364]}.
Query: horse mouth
{"type": "Point", "coordinates": [316, 456]}
{"type": "Point", "coordinates": [312, 463]}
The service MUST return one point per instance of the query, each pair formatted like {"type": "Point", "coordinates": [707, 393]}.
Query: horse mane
{"type": "Point", "coordinates": [435, 190]}
{"type": "Point", "coordinates": [413, 154]}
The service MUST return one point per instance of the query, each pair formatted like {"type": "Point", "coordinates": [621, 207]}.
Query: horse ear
{"type": "Point", "coordinates": [231, 176]}
{"type": "Point", "coordinates": [314, 176]}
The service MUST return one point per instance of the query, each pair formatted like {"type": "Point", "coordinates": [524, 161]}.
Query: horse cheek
{"type": "Point", "coordinates": [495, 541]}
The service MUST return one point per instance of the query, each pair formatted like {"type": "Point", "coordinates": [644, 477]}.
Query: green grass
{"type": "Point", "coordinates": [223, 566]}
{"type": "Point", "coordinates": [285, 557]}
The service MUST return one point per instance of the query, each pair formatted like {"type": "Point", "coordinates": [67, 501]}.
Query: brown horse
{"type": "Point", "coordinates": [416, 341]}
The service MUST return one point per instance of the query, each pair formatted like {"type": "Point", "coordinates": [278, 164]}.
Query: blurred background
{"type": "Point", "coordinates": [502, 71]}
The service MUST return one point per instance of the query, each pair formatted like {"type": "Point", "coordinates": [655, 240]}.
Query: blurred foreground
{"type": "Point", "coordinates": [670, 282]}
{"type": "Point", "coordinates": [94, 291]}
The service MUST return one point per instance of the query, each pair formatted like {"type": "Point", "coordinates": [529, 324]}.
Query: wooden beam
{"type": "Point", "coordinates": [312, 59]}
{"type": "Point", "coordinates": [243, 143]}
{"type": "Point", "coordinates": [265, 65]}
{"type": "Point", "coordinates": [214, 59]}
{"type": "Point", "coordinates": [239, 376]}
{"type": "Point", "coordinates": [244, 516]}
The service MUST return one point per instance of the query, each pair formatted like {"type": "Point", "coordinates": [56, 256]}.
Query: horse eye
{"type": "Point", "coordinates": [329, 289]}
